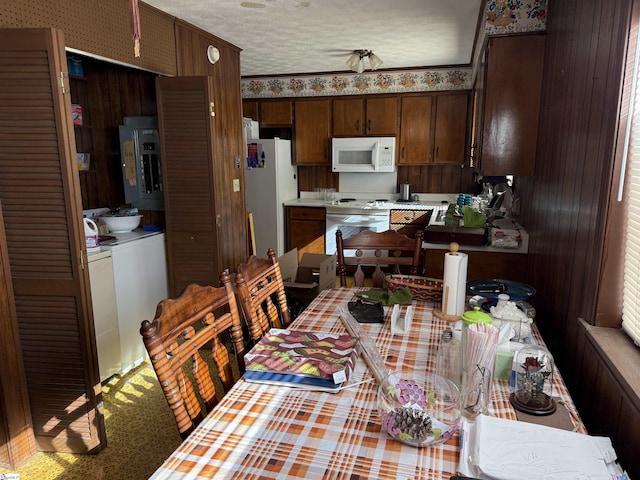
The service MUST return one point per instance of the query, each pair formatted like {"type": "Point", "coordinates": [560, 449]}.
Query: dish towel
{"type": "Point", "coordinates": [387, 298]}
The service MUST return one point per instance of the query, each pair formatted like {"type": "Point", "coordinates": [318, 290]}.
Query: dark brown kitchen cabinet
{"type": "Point", "coordinates": [450, 128]}
{"type": "Point", "coordinates": [433, 129]}
{"type": "Point", "coordinates": [250, 109]}
{"type": "Point", "coordinates": [481, 264]}
{"type": "Point", "coordinates": [277, 113]}
{"type": "Point", "coordinates": [370, 116]}
{"type": "Point", "coordinates": [348, 117]}
{"type": "Point", "coordinates": [381, 116]}
{"type": "Point", "coordinates": [416, 143]}
{"type": "Point", "coordinates": [305, 229]}
{"type": "Point", "coordinates": [408, 222]}
{"type": "Point", "coordinates": [512, 92]}
{"type": "Point", "coordinates": [312, 129]}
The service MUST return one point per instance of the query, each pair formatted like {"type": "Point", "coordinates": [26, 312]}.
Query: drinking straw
{"type": "Point", "coordinates": [482, 342]}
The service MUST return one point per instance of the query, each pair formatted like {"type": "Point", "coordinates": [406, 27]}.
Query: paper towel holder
{"type": "Point", "coordinates": [454, 248]}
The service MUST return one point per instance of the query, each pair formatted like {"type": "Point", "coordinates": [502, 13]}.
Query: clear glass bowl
{"type": "Point", "coordinates": [419, 412]}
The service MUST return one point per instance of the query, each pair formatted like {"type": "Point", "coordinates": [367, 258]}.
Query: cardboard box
{"type": "Point", "coordinates": [315, 272]}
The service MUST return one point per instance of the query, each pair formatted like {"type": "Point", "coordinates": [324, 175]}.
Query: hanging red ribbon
{"type": "Point", "coordinates": [135, 26]}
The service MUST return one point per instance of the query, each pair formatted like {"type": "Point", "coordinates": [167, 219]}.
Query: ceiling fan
{"type": "Point", "coordinates": [356, 58]}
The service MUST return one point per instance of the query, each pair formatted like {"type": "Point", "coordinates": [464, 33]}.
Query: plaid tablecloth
{"type": "Point", "coordinates": [269, 432]}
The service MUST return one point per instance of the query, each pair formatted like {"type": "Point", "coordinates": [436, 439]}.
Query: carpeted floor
{"type": "Point", "coordinates": [141, 434]}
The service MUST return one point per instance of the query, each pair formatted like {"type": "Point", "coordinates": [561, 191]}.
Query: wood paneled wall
{"type": "Point", "coordinates": [564, 206]}
{"type": "Point", "coordinates": [107, 94]}
{"type": "Point", "coordinates": [101, 28]}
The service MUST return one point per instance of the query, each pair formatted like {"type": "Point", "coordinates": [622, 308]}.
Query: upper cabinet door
{"type": "Point", "coordinates": [450, 128]}
{"type": "Point", "coordinates": [312, 132]}
{"type": "Point", "coordinates": [40, 192]}
{"type": "Point", "coordinates": [353, 117]}
{"type": "Point", "coordinates": [382, 116]}
{"type": "Point", "coordinates": [276, 113]}
{"type": "Point", "coordinates": [416, 145]}
{"type": "Point", "coordinates": [348, 117]}
{"type": "Point", "coordinates": [513, 87]}
{"type": "Point", "coordinates": [250, 109]}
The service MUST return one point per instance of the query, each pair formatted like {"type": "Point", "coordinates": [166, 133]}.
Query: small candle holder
{"type": "Point", "coordinates": [534, 381]}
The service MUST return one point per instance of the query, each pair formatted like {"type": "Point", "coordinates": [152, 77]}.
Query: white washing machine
{"type": "Point", "coordinates": [105, 314]}
{"type": "Point", "coordinates": [141, 282]}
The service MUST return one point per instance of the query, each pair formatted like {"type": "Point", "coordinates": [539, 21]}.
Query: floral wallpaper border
{"type": "Point", "coordinates": [503, 17]}
{"type": "Point", "coordinates": [358, 84]}
{"type": "Point", "coordinates": [515, 16]}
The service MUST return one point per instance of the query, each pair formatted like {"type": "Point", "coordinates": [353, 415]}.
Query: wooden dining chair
{"type": "Point", "coordinates": [382, 251]}
{"type": "Point", "coordinates": [260, 290]}
{"type": "Point", "coordinates": [200, 320]}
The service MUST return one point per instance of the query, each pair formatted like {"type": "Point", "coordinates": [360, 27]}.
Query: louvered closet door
{"type": "Point", "coordinates": [186, 126]}
{"type": "Point", "coordinates": [40, 194]}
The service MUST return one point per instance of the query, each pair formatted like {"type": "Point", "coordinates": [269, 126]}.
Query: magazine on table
{"type": "Point", "coordinates": [298, 358]}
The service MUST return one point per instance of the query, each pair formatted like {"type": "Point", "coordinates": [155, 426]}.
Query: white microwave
{"type": "Point", "coordinates": [363, 154]}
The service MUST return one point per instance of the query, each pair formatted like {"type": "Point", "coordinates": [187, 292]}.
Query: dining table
{"type": "Point", "coordinates": [261, 431]}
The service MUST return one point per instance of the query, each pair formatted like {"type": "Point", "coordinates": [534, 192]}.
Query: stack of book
{"type": "Point", "coordinates": [293, 358]}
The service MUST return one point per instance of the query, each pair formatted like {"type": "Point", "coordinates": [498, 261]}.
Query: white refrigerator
{"type": "Point", "coordinates": [270, 180]}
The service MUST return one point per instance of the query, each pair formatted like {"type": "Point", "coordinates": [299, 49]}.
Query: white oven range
{"type": "Point", "coordinates": [351, 214]}
{"type": "Point", "coordinates": [352, 217]}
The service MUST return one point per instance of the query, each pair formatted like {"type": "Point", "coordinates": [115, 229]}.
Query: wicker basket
{"type": "Point", "coordinates": [421, 288]}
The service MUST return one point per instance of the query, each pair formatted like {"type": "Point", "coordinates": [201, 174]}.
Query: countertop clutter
{"type": "Point", "coordinates": [373, 201]}
{"type": "Point", "coordinates": [503, 235]}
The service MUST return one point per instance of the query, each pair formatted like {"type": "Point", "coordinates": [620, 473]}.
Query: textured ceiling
{"type": "Point", "coordinates": [294, 37]}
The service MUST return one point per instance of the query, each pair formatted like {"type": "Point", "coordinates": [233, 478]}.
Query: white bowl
{"type": "Point", "coordinates": [121, 224]}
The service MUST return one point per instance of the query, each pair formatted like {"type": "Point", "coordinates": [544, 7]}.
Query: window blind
{"type": "Point", "coordinates": [631, 197]}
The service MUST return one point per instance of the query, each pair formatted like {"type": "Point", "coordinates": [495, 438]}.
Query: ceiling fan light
{"type": "Point", "coordinates": [374, 61]}
{"type": "Point", "coordinates": [352, 61]}
{"type": "Point", "coordinates": [360, 66]}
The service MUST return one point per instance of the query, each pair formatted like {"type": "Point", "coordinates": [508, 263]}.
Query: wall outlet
{"type": "Point", "coordinates": [236, 184]}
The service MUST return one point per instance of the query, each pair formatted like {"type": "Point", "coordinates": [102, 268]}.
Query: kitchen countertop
{"type": "Point", "coordinates": [126, 237]}
{"type": "Point", "coordinates": [391, 205]}
{"type": "Point", "coordinates": [522, 248]}
{"type": "Point", "coordinates": [426, 202]}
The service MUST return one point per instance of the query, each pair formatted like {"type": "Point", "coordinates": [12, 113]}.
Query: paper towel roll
{"type": "Point", "coordinates": [454, 283]}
